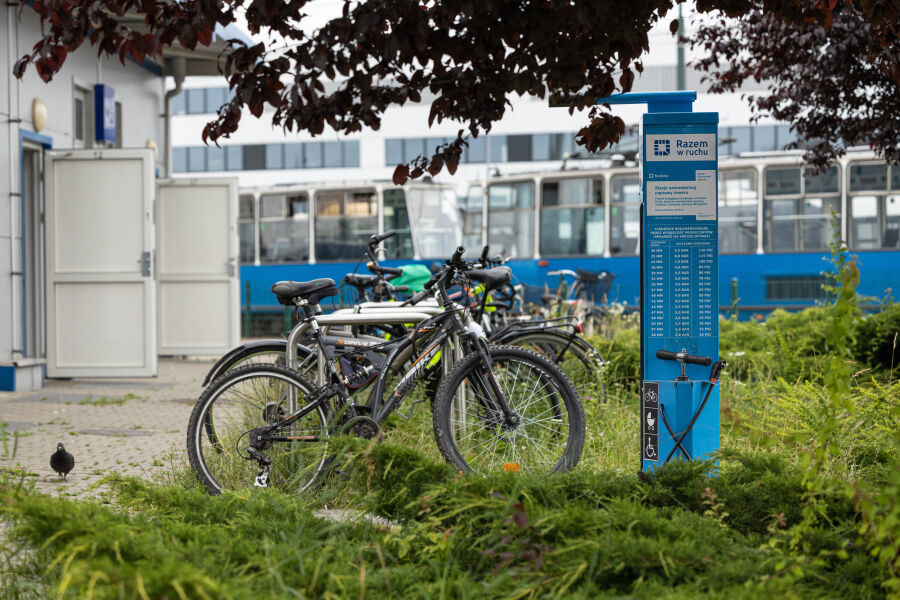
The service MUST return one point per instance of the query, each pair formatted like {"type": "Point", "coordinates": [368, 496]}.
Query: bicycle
{"type": "Point", "coordinates": [497, 408]}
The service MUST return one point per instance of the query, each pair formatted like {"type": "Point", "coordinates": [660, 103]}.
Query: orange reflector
{"type": "Point", "coordinates": [511, 467]}
{"type": "Point", "coordinates": [543, 263]}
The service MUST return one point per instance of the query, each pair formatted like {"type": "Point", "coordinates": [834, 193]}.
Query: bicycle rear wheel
{"type": "Point", "coordinates": [471, 433]}
{"type": "Point", "coordinates": [242, 400]}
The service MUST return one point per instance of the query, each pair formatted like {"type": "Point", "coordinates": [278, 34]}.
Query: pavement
{"type": "Point", "coordinates": [128, 426]}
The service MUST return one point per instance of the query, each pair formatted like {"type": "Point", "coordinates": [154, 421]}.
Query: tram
{"type": "Point", "coordinates": [775, 225]}
{"type": "Point", "coordinates": [304, 232]}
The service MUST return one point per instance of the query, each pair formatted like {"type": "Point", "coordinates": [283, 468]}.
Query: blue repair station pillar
{"type": "Point", "coordinates": [679, 278]}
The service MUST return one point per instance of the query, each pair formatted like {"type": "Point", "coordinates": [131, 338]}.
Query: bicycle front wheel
{"type": "Point", "coordinates": [241, 400]}
{"type": "Point", "coordinates": [473, 435]}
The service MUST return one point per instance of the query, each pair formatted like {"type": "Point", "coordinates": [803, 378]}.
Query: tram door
{"type": "Point", "coordinates": [100, 291]}
{"type": "Point", "coordinates": [199, 302]}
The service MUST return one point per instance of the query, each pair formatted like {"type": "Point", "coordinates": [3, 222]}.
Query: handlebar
{"type": "Point", "coordinates": [377, 239]}
{"type": "Point", "coordinates": [457, 255]}
{"type": "Point", "coordinates": [376, 268]}
{"type": "Point", "coordinates": [703, 361]}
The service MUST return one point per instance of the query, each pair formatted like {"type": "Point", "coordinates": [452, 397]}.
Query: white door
{"type": "Point", "coordinates": [101, 293]}
{"type": "Point", "coordinates": [199, 302]}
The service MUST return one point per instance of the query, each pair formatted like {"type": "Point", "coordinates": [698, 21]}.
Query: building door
{"type": "Point", "coordinates": [33, 341]}
{"type": "Point", "coordinates": [199, 302]}
{"type": "Point", "coordinates": [101, 293]}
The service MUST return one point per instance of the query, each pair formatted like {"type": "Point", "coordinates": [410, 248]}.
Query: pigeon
{"type": "Point", "coordinates": [62, 461]}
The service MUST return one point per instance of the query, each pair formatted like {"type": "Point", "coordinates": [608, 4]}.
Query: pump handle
{"type": "Point", "coordinates": [704, 361]}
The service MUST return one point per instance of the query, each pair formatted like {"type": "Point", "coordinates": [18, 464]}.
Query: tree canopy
{"type": "Point", "coordinates": [472, 55]}
{"type": "Point", "coordinates": [837, 83]}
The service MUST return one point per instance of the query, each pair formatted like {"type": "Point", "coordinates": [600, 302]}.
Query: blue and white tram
{"type": "Point", "coordinates": [774, 226]}
{"type": "Point", "coordinates": [307, 231]}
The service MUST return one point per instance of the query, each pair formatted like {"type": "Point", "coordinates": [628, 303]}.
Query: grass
{"type": "Point", "coordinates": [733, 528]}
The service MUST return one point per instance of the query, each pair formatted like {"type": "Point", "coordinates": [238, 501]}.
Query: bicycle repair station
{"type": "Point", "coordinates": [679, 271]}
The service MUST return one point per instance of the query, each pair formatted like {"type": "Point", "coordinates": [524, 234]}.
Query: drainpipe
{"type": "Point", "coordinates": [15, 196]}
{"type": "Point", "coordinates": [178, 68]}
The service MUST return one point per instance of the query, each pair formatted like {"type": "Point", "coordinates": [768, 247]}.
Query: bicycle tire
{"type": "Point", "coordinates": [229, 470]}
{"type": "Point", "coordinates": [486, 428]}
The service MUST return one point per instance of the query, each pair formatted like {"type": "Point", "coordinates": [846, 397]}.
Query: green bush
{"type": "Point", "coordinates": [878, 339]}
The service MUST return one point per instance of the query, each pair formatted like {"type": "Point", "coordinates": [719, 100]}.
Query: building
{"type": "Point", "coordinates": [532, 136]}
{"type": "Point", "coordinates": [91, 103]}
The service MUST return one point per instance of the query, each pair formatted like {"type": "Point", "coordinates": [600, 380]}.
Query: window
{"type": "Point", "coordinates": [283, 228]}
{"type": "Point", "coordinates": [247, 229]}
{"type": "Point", "coordinates": [497, 146]}
{"type": "Point", "coordinates": [351, 154]}
{"type": "Point", "coordinates": [874, 214]}
{"type": "Point", "coordinates": [519, 148]}
{"type": "Point", "coordinates": [393, 152]}
{"type": "Point", "coordinates": [254, 157]}
{"type": "Point", "coordinates": [738, 199]}
{"type": "Point", "coordinates": [344, 221]}
{"type": "Point", "coordinates": [413, 148]}
{"type": "Point", "coordinates": [179, 160]}
{"type": "Point", "coordinates": [477, 150]}
{"type": "Point", "coordinates": [215, 158]}
{"type": "Point", "coordinates": [274, 155]}
{"type": "Point", "coordinates": [215, 98]}
{"type": "Point", "coordinates": [196, 101]}
{"type": "Point", "coordinates": [196, 159]}
{"type": "Point", "coordinates": [540, 146]}
{"type": "Point", "coordinates": [471, 217]}
{"type": "Point", "coordinates": [312, 155]}
{"type": "Point", "coordinates": [179, 104]}
{"type": "Point", "coordinates": [625, 215]}
{"type": "Point", "coordinates": [332, 155]}
{"type": "Point", "coordinates": [82, 133]}
{"type": "Point", "coordinates": [234, 158]}
{"type": "Point", "coordinates": [765, 138]}
{"type": "Point", "coordinates": [795, 287]}
{"type": "Point", "coordinates": [396, 217]}
{"type": "Point", "coordinates": [797, 208]}
{"type": "Point", "coordinates": [572, 219]}
{"type": "Point", "coordinates": [293, 156]}
{"type": "Point", "coordinates": [511, 219]}
{"type": "Point", "coordinates": [437, 221]}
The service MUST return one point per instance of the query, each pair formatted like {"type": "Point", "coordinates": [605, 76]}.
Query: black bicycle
{"type": "Point", "coordinates": [499, 408]}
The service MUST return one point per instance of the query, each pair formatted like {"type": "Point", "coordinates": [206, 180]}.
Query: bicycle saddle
{"type": "Point", "coordinates": [312, 291]}
{"type": "Point", "coordinates": [360, 280]}
{"type": "Point", "coordinates": [491, 278]}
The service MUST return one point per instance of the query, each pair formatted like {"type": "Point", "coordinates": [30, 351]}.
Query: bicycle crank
{"type": "Point", "coordinates": [362, 426]}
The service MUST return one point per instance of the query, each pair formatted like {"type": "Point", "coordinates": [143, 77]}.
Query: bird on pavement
{"type": "Point", "coordinates": [62, 461]}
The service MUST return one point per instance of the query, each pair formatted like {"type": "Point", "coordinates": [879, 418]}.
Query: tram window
{"type": "Point", "coordinates": [283, 228]}
{"type": "Point", "coordinates": [782, 181]}
{"type": "Point", "coordinates": [396, 217]}
{"type": "Point", "coordinates": [803, 221]}
{"type": "Point", "coordinates": [868, 177]}
{"type": "Point", "coordinates": [625, 215]}
{"type": "Point", "coordinates": [437, 220]}
{"type": "Point", "coordinates": [471, 217]}
{"type": "Point", "coordinates": [738, 199]}
{"type": "Point", "coordinates": [344, 221]}
{"type": "Point", "coordinates": [572, 218]}
{"type": "Point", "coordinates": [825, 182]}
{"type": "Point", "coordinates": [510, 227]}
{"type": "Point", "coordinates": [875, 222]}
{"type": "Point", "coordinates": [246, 229]}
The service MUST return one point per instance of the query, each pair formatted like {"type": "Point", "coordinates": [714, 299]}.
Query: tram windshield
{"type": "Point", "coordinates": [436, 219]}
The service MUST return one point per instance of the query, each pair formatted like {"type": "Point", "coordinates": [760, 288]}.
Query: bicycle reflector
{"type": "Point", "coordinates": [511, 467]}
